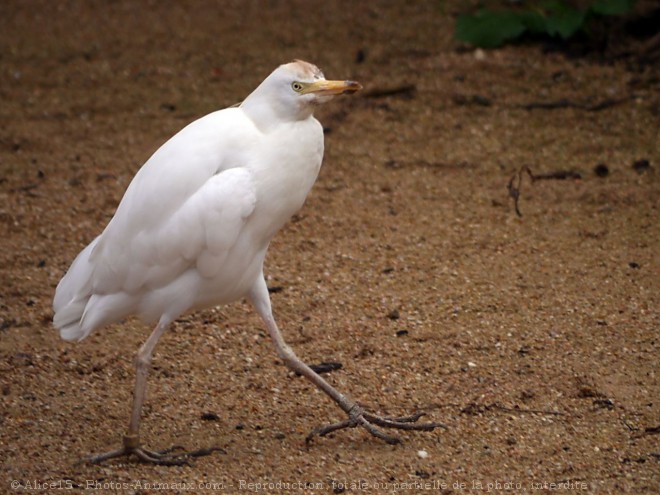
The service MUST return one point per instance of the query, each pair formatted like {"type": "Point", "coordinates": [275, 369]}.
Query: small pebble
{"type": "Point", "coordinates": [394, 314]}
{"type": "Point", "coordinates": [422, 454]}
{"type": "Point", "coordinates": [601, 170]}
{"type": "Point", "coordinates": [641, 166]}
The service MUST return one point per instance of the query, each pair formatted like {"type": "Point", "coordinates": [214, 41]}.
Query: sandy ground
{"type": "Point", "coordinates": [533, 338]}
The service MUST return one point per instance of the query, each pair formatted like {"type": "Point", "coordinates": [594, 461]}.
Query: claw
{"type": "Point", "coordinates": [358, 417]}
{"type": "Point", "coordinates": [164, 457]}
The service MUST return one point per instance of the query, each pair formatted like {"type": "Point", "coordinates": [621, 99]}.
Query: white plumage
{"type": "Point", "coordinates": [194, 225]}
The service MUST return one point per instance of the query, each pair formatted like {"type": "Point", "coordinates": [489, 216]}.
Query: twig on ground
{"type": "Point", "coordinates": [514, 186]}
{"type": "Point", "coordinates": [565, 103]}
{"type": "Point", "coordinates": [473, 409]}
{"type": "Point", "coordinates": [382, 91]}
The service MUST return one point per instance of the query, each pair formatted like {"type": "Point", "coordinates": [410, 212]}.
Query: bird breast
{"type": "Point", "coordinates": [285, 168]}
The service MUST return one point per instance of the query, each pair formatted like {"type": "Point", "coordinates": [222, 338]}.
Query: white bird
{"type": "Point", "coordinates": [193, 228]}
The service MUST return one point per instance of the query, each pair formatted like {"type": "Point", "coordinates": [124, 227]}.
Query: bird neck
{"type": "Point", "coordinates": [266, 113]}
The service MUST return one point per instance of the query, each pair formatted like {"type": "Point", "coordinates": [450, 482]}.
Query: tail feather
{"type": "Point", "coordinates": [72, 295]}
{"type": "Point", "coordinates": [67, 320]}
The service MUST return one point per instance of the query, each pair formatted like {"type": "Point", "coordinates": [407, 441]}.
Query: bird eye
{"type": "Point", "coordinates": [297, 87]}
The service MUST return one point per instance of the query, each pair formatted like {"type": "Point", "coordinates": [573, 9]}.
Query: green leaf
{"type": "Point", "coordinates": [488, 28]}
{"type": "Point", "coordinates": [564, 21]}
{"type": "Point", "coordinates": [534, 21]}
{"type": "Point", "coordinates": [612, 7]}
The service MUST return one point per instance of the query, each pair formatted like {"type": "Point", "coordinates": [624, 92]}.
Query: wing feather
{"type": "Point", "coordinates": [184, 210]}
{"type": "Point", "coordinates": [191, 196]}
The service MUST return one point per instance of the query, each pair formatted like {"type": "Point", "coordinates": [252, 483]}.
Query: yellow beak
{"type": "Point", "coordinates": [324, 87]}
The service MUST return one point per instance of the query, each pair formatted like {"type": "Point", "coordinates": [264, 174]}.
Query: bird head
{"type": "Point", "coordinates": [311, 86]}
{"type": "Point", "coordinates": [293, 90]}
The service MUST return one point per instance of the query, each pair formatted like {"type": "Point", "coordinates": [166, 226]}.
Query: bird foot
{"type": "Point", "coordinates": [174, 456]}
{"type": "Point", "coordinates": [359, 417]}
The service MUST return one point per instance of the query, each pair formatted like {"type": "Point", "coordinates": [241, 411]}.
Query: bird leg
{"type": "Point", "coordinates": [131, 441]}
{"type": "Point", "coordinates": [357, 416]}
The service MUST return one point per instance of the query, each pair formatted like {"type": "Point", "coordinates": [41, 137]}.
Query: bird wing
{"type": "Point", "coordinates": [184, 208]}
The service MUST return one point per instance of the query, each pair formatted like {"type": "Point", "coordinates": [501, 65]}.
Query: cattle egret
{"type": "Point", "coordinates": [193, 228]}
